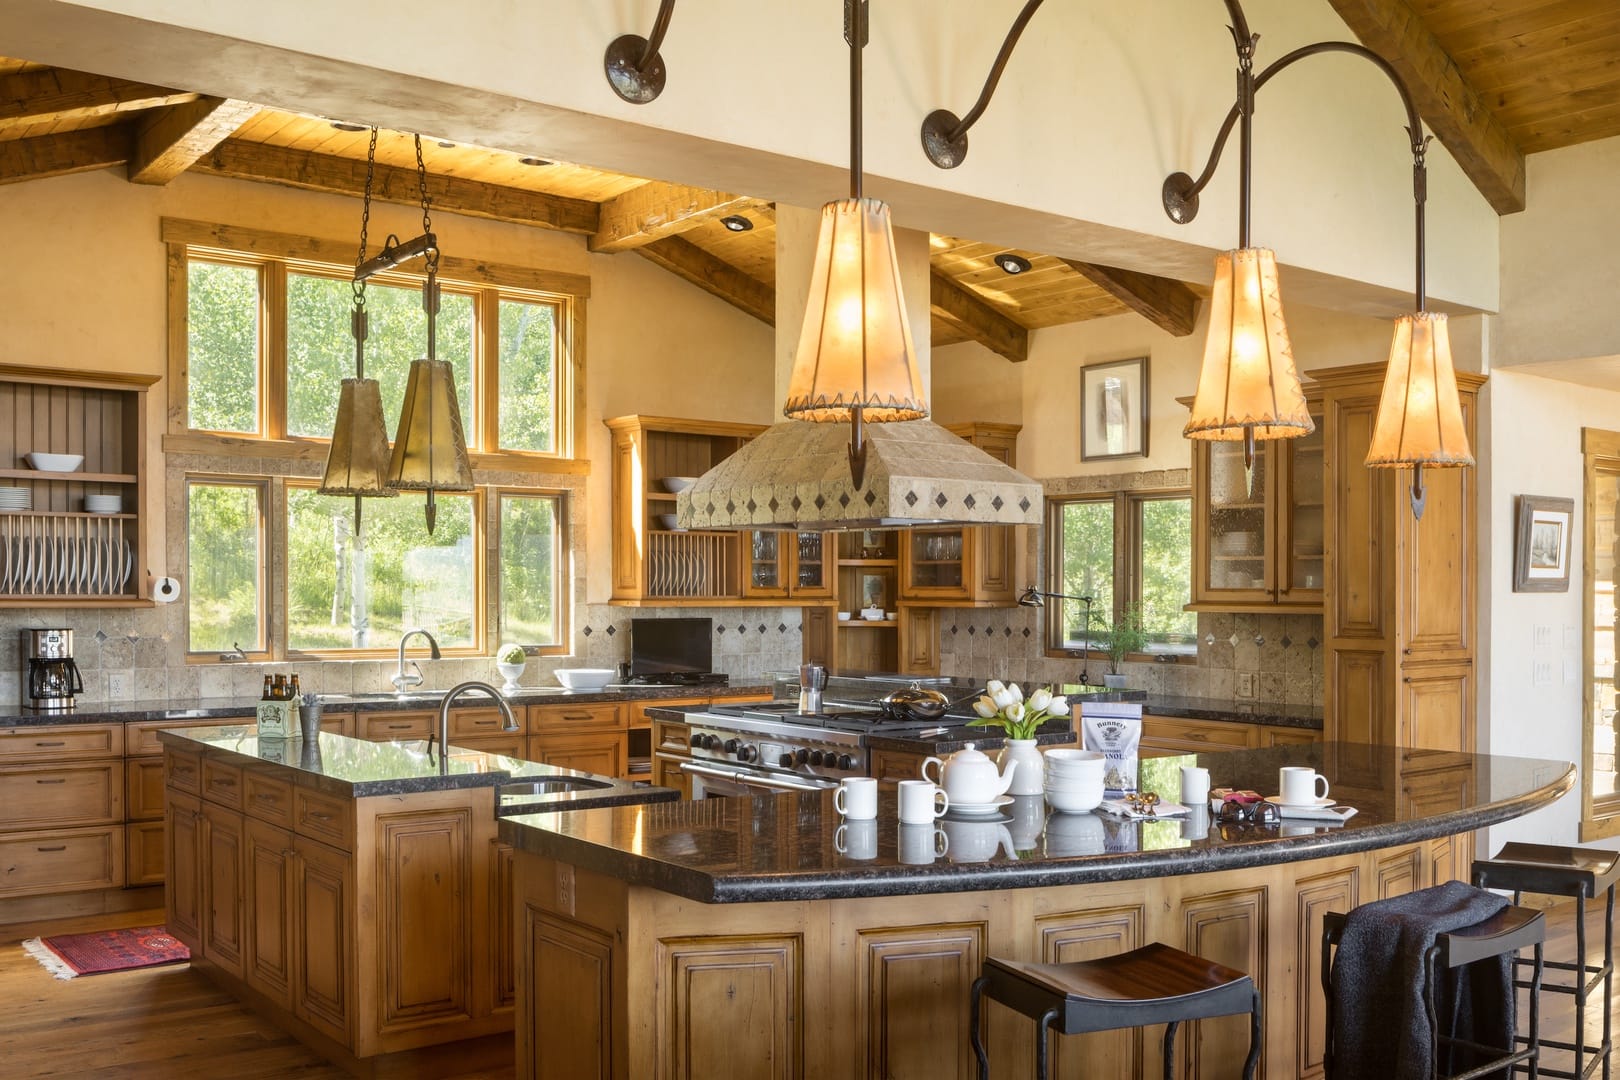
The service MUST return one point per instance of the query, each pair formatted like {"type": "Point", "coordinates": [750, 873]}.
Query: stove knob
{"type": "Point", "coordinates": [697, 740]}
{"type": "Point", "coordinates": [747, 752]}
{"type": "Point", "coordinates": [802, 757]}
{"type": "Point", "coordinates": [787, 761]}
{"type": "Point", "coordinates": [732, 744]}
{"type": "Point", "coordinates": [847, 763]}
{"type": "Point", "coordinates": [711, 742]}
{"type": "Point", "coordinates": [815, 757]}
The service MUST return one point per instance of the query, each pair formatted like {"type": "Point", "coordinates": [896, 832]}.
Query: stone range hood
{"type": "Point", "coordinates": [795, 476]}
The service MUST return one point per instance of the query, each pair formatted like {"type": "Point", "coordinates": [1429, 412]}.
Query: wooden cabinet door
{"type": "Point", "coordinates": [223, 921]}
{"type": "Point", "coordinates": [342, 723]}
{"type": "Point", "coordinates": [143, 858]}
{"type": "Point", "coordinates": [1176, 735]}
{"type": "Point", "coordinates": [666, 773]}
{"type": "Point", "coordinates": [143, 789]}
{"type": "Point", "coordinates": [267, 958]}
{"type": "Point", "coordinates": [183, 848]}
{"type": "Point", "coordinates": [765, 564]}
{"type": "Point", "coordinates": [1437, 706]}
{"type": "Point", "coordinates": [323, 939]}
{"type": "Point", "coordinates": [602, 753]}
{"type": "Point", "coordinates": [919, 640]}
{"type": "Point", "coordinates": [816, 628]}
{"type": "Point", "coordinates": [892, 766]}
{"type": "Point", "coordinates": [502, 898]}
{"type": "Point", "coordinates": [1234, 527]}
{"type": "Point", "coordinates": [811, 565]}
{"type": "Point", "coordinates": [936, 564]}
{"type": "Point", "coordinates": [47, 796]}
{"type": "Point", "coordinates": [731, 1001]}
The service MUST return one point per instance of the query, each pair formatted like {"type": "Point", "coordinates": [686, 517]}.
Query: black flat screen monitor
{"type": "Point", "coordinates": [671, 646]}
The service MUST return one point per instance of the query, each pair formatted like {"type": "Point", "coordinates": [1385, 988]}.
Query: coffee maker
{"type": "Point", "coordinates": [53, 677]}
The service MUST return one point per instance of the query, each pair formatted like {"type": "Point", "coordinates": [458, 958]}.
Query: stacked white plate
{"type": "Point", "coordinates": [16, 498]}
{"type": "Point", "coordinates": [104, 504]}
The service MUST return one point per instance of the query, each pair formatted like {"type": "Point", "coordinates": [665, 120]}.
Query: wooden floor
{"type": "Point", "coordinates": [172, 1022]}
{"type": "Point", "coordinates": [158, 1022]}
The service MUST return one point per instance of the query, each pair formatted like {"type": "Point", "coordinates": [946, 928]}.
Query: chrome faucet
{"type": "Point", "coordinates": [508, 721]}
{"type": "Point", "coordinates": [403, 680]}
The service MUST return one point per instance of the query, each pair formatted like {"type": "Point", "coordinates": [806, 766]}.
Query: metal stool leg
{"type": "Point", "coordinates": [1608, 981]}
{"type": "Point", "coordinates": [1535, 1016]}
{"type": "Point", "coordinates": [1254, 1038]}
{"type": "Point", "coordinates": [975, 997]}
{"type": "Point", "coordinates": [1581, 980]}
{"type": "Point", "coordinates": [1170, 1049]}
{"type": "Point", "coordinates": [1042, 1034]}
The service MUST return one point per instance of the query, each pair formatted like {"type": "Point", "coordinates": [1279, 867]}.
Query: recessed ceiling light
{"type": "Point", "coordinates": [1012, 264]}
{"type": "Point", "coordinates": [447, 144]}
{"type": "Point", "coordinates": [736, 223]}
{"type": "Point", "coordinates": [344, 125]}
{"type": "Point", "coordinates": [534, 161]}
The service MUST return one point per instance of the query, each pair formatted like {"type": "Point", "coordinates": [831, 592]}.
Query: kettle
{"type": "Point", "coordinates": [969, 777]}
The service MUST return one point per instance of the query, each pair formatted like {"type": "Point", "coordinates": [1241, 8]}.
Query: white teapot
{"type": "Point", "coordinates": [969, 777]}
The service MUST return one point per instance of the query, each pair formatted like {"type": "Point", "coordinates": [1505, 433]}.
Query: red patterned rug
{"type": "Point", "coordinates": [72, 955]}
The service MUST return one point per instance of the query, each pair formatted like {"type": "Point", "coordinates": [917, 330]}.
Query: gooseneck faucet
{"type": "Point", "coordinates": [442, 734]}
{"type": "Point", "coordinates": [404, 680]}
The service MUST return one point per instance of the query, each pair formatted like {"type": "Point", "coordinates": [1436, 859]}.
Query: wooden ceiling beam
{"type": "Point", "coordinates": [1479, 141]}
{"type": "Point", "coordinates": [59, 155]}
{"type": "Point", "coordinates": [976, 319]}
{"type": "Point", "coordinates": [343, 176]}
{"type": "Point", "coordinates": [691, 263]}
{"type": "Point", "coordinates": [169, 141]}
{"type": "Point", "coordinates": [1166, 303]}
{"type": "Point", "coordinates": [656, 210]}
{"type": "Point", "coordinates": [32, 97]}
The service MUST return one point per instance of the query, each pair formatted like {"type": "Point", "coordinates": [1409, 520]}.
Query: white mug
{"type": "Point", "coordinates": [921, 801]}
{"type": "Point", "coordinates": [1298, 785]}
{"type": "Point", "coordinates": [857, 839]}
{"type": "Point", "coordinates": [922, 844]}
{"type": "Point", "coordinates": [1195, 786]}
{"type": "Point", "coordinates": [856, 798]}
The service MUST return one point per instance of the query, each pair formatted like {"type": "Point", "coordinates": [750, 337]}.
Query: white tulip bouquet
{"type": "Point", "coordinates": [1004, 707]}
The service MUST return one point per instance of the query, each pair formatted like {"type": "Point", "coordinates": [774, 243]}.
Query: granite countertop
{"type": "Point", "coordinates": [787, 847]}
{"type": "Point", "coordinates": [357, 768]}
{"type": "Point", "coordinates": [225, 708]}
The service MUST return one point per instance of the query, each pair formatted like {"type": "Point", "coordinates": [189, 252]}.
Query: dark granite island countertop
{"type": "Point", "coordinates": [787, 847]}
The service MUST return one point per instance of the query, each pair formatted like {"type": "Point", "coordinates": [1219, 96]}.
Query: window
{"type": "Point", "coordinates": [1122, 549]}
{"type": "Point", "coordinates": [225, 566]}
{"type": "Point", "coordinates": [533, 569]}
{"type": "Point", "coordinates": [222, 344]}
{"type": "Point", "coordinates": [1600, 774]}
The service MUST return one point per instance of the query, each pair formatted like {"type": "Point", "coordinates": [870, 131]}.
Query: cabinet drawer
{"type": "Point", "coordinates": [1172, 733]}
{"type": "Point", "coordinates": [510, 743]}
{"type": "Point", "coordinates": [61, 742]}
{"type": "Point", "coordinates": [322, 817]}
{"type": "Point", "coordinates": [222, 783]}
{"type": "Point", "coordinates": [144, 857]}
{"type": "Point", "coordinates": [478, 722]}
{"type": "Point", "coordinates": [1287, 736]}
{"type": "Point", "coordinates": [892, 766]}
{"type": "Point", "coordinates": [268, 799]}
{"type": "Point", "coordinates": [143, 789]}
{"type": "Point", "coordinates": [340, 723]}
{"type": "Point", "coordinates": [67, 860]}
{"type": "Point", "coordinates": [58, 796]}
{"type": "Point", "coordinates": [638, 709]}
{"type": "Point", "coordinates": [392, 727]}
{"type": "Point", "coordinates": [550, 718]}
{"type": "Point", "coordinates": [141, 737]}
{"type": "Point", "coordinates": [183, 771]}
{"type": "Point", "coordinates": [671, 738]}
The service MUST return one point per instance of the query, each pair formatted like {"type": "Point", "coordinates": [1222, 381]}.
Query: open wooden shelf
{"type": "Point", "coordinates": [80, 477]}
{"type": "Point", "coordinates": [67, 514]}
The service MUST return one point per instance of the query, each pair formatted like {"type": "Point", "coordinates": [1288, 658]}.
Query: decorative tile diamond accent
{"type": "Point", "coordinates": [971, 631]}
{"type": "Point", "coordinates": [1209, 639]}
{"type": "Point", "coordinates": [821, 502]}
{"type": "Point", "coordinates": [953, 630]}
{"type": "Point", "coordinates": [741, 629]}
{"type": "Point", "coordinates": [871, 497]}
{"type": "Point", "coordinates": [911, 498]}
{"type": "Point", "coordinates": [773, 504]}
{"type": "Point", "coordinates": [1311, 642]}
{"type": "Point", "coordinates": [1006, 631]}
{"type": "Point", "coordinates": [731, 507]}
{"type": "Point", "coordinates": [611, 630]}
{"type": "Point", "coordinates": [101, 636]}
{"type": "Point", "coordinates": [968, 501]}
{"type": "Point", "coordinates": [1026, 631]}
{"type": "Point", "coordinates": [796, 503]}
{"type": "Point", "coordinates": [1259, 639]}
{"type": "Point", "coordinates": [843, 499]}
{"type": "Point", "coordinates": [1232, 641]}
{"type": "Point", "coordinates": [781, 628]}
{"type": "Point", "coordinates": [1286, 641]}
{"type": "Point", "coordinates": [1023, 504]}
{"type": "Point", "coordinates": [752, 506]}
{"type": "Point", "coordinates": [719, 630]}
{"type": "Point", "coordinates": [940, 499]}
{"type": "Point", "coordinates": [996, 503]}
{"type": "Point", "coordinates": [762, 628]}
{"type": "Point", "coordinates": [588, 631]}
{"type": "Point", "coordinates": [132, 638]}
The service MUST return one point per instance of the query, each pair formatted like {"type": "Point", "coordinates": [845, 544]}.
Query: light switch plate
{"type": "Point", "coordinates": [1541, 673]}
{"type": "Point", "coordinates": [1542, 637]}
{"type": "Point", "coordinates": [1245, 684]}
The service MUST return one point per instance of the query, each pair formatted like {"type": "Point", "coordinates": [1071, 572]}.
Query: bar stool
{"type": "Point", "coordinates": [1508, 931]}
{"type": "Point", "coordinates": [1581, 873]}
{"type": "Point", "coordinates": [1151, 985]}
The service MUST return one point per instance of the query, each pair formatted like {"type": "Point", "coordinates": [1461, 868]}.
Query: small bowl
{"type": "Point", "coordinates": [844, 616]}
{"type": "Point", "coordinates": [55, 462]}
{"type": "Point", "coordinates": [104, 504]}
{"type": "Point", "coordinates": [668, 523]}
{"type": "Point", "coordinates": [1076, 799]}
{"type": "Point", "coordinates": [677, 484]}
{"type": "Point", "coordinates": [584, 678]}
{"type": "Point", "coordinates": [890, 616]}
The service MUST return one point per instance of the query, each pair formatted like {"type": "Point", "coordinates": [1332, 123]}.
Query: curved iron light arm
{"type": "Point", "coordinates": [632, 64]}
{"type": "Point", "coordinates": [944, 136]}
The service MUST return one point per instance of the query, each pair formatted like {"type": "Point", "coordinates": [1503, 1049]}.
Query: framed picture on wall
{"type": "Point", "coordinates": [1114, 410]}
{"type": "Point", "coordinates": [1541, 553]}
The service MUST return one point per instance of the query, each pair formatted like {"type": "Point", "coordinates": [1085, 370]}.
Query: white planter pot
{"type": "Point", "coordinates": [511, 673]}
{"type": "Point", "coordinates": [1114, 682]}
{"type": "Point", "coordinates": [1030, 776]}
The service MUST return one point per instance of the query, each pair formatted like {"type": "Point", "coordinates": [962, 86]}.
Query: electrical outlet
{"type": "Point", "coordinates": [1245, 684]}
{"type": "Point", "coordinates": [117, 685]}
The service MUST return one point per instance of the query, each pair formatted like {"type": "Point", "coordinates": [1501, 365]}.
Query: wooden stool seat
{"type": "Point", "coordinates": [1155, 984]}
{"type": "Point", "coordinates": [1543, 868]}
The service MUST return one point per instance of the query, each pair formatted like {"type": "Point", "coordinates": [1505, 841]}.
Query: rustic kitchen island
{"type": "Point", "coordinates": [752, 938]}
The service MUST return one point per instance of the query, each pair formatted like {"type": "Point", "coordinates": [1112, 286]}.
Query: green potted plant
{"type": "Point", "coordinates": [1124, 637]}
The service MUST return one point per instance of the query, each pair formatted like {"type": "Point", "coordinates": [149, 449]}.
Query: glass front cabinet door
{"type": "Point", "coordinates": [782, 564]}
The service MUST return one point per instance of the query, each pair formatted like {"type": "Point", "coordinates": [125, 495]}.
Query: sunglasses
{"type": "Point", "coordinates": [1258, 813]}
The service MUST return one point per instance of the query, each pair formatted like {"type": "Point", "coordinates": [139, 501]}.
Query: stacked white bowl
{"type": "Point", "coordinates": [1074, 780]}
{"type": "Point", "coordinates": [104, 504]}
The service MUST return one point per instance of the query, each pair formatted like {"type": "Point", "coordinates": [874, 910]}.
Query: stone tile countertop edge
{"type": "Point", "coordinates": [225, 708]}
{"type": "Point", "coordinates": [356, 768]}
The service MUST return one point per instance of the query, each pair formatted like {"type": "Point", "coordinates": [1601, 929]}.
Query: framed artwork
{"type": "Point", "coordinates": [874, 591]}
{"type": "Point", "coordinates": [1114, 410]}
{"type": "Point", "coordinates": [1541, 551]}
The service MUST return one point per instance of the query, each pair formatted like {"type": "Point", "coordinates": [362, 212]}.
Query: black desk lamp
{"type": "Point", "coordinates": [1033, 597]}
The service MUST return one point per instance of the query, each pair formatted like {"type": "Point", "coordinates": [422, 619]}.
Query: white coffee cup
{"type": "Point", "coordinates": [1298, 785]}
{"type": "Point", "coordinates": [856, 798]}
{"type": "Point", "coordinates": [921, 801]}
{"type": "Point", "coordinates": [857, 839]}
{"type": "Point", "coordinates": [922, 844]}
{"type": "Point", "coordinates": [1194, 786]}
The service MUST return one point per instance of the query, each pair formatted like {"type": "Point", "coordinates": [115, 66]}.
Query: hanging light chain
{"type": "Point", "coordinates": [427, 220]}
{"type": "Point", "coordinates": [359, 283]}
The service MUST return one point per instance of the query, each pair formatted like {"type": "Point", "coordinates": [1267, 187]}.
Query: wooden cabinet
{"type": "Point", "coordinates": [1399, 620]}
{"type": "Point", "coordinates": [919, 640]}
{"type": "Point", "coordinates": [783, 565]}
{"type": "Point", "coordinates": [62, 797]}
{"type": "Point", "coordinates": [966, 566]}
{"type": "Point", "coordinates": [1258, 542]}
{"type": "Point", "coordinates": [223, 904]}
{"type": "Point", "coordinates": [268, 888]}
{"type": "Point", "coordinates": [143, 853]}
{"type": "Point", "coordinates": [670, 746]}
{"type": "Point", "coordinates": [100, 416]}
{"type": "Point", "coordinates": [603, 753]}
{"type": "Point", "coordinates": [396, 726]}
{"type": "Point", "coordinates": [183, 906]}
{"type": "Point", "coordinates": [1166, 735]}
{"type": "Point", "coordinates": [323, 939]}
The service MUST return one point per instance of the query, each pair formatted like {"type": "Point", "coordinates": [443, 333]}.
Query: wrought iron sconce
{"type": "Point", "coordinates": [632, 64]}
{"type": "Point", "coordinates": [944, 135]}
{"type": "Point", "coordinates": [1036, 598]}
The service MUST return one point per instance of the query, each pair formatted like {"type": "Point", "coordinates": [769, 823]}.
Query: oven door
{"type": "Point", "coordinates": [730, 781]}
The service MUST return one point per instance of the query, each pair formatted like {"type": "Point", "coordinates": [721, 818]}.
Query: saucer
{"type": "Point", "coordinates": [980, 809]}
{"type": "Point", "coordinates": [1276, 800]}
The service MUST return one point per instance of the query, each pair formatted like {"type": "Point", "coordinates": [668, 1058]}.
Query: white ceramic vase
{"type": "Point", "coordinates": [1029, 778]}
{"type": "Point", "coordinates": [511, 673]}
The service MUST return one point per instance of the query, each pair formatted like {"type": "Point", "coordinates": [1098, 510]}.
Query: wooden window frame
{"type": "Point", "coordinates": [265, 647]}
{"type": "Point", "coordinates": [562, 567]}
{"type": "Point", "coordinates": [1600, 452]}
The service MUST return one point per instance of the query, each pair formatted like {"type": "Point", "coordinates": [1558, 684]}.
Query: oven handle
{"type": "Point", "coordinates": [736, 776]}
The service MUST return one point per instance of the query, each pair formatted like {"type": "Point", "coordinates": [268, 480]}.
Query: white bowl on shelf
{"type": "Point", "coordinates": [677, 484]}
{"type": "Point", "coordinates": [104, 504]}
{"type": "Point", "coordinates": [669, 523]}
{"type": "Point", "coordinates": [55, 462]}
{"type": "Point", "coordinates": [584, 678]}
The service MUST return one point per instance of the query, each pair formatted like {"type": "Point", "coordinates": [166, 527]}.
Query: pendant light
{"type": "Point", "coordinates": [430, 451]}
{"type": "Point", "coordinates": [856, 361]}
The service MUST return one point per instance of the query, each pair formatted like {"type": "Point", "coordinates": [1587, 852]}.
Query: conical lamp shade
{"type": "Point", "coordinates": [357, 462]}
{"type": "Point", "coordinates": [856, 347]}
{"type": "Point", "coordinates": [1248, 381]}
{"type": "Point", "coordinates": [1419, 417]}
{"type": "Point", "coordinates": [430, 452]}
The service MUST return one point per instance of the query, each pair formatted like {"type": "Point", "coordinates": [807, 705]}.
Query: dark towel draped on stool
{"type": "Point", "coordinates": [1380, 1028]}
